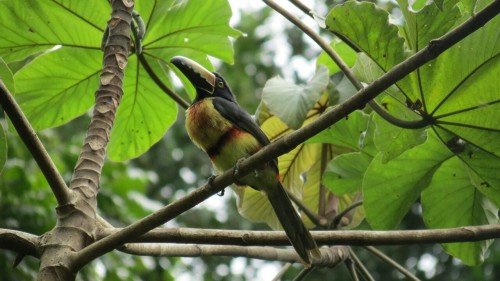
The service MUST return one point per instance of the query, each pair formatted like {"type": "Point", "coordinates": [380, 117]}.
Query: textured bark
{"type": "Point", "coordinates": [77, 219]}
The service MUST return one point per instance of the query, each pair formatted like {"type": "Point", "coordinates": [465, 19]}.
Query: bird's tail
{"type": "Point", "coordinates": [297, 233]}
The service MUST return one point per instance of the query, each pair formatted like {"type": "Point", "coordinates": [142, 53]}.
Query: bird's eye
{"type": "Point", "coordinates": [220, 84]}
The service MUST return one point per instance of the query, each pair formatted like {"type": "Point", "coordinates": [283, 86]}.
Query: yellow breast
{"type": "Point", "coordinates": [204, 124]}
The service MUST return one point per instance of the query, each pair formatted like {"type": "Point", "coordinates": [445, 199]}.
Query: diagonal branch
{"type": "Point", "coordinates": [290, 141]}
{"type": "Point", "coordinates": [342, 65]}
{"type": "Point", "coordinates": [29, 137]}
{"type": "Point", "coordinates": [392, 263]}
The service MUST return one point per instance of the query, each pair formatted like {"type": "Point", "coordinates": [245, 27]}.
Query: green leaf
{"type": "Point", "coordinates": [367, 27]}
{"type": "Point", "coordinates": [483, 167]}
{"type": "Point", "coordinates": [391, 188]}
{"type": "Point", "coordinates": [197, 26]}
{"type": "Point", "coordinates": [52, 92]}
{"type": "Point", "coordinates": [34, 26]}
{"type": "Point", "coordinates": [3, 147]}
{"type": "Point", "coordinates": [347, 54]}
{"type": "Point", "coordinates": [6, 76]}
{"type": "Point", "coordinates": [468, 103]}
{"type": "Point", "coordinates": [144, 115]}
{"type": "Point", "coordinates": [347, 133]}
{"type": "Point", "coordinates": [451, 201]}
{"type": "Point", "coordinates": [49, 94]}
{"type": "Point", "coordinates": [291, 102]}
{"type": "Point", "coordinates": [344, 174]}
{"type": "Point", "coordinates": [429, 23]}
{"type": "Point", "coordinates": [392, 140]}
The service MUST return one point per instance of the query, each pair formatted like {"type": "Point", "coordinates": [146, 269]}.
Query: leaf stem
{"type": "Point", "coordinates": [160, 84]}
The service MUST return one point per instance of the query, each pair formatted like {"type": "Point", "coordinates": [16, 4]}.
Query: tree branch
{"type": "Point", "coordinates": [20, 242]}
{"type": "Point", "coordinates": [28, 135]}
{"type": "Point", "coordinates": [337, 237]}
{"type": "Point", "coordinates": [288, 142]}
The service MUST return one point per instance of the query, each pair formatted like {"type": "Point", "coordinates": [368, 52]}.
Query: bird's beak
{"type": "Point", "coordinates": [200, 77]}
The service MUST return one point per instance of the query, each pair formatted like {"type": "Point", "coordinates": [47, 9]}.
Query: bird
{"type": "Point", "coordinates": [217, 124]}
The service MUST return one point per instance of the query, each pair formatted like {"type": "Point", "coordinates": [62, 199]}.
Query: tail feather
{"type": "Point", "coordinates": [297, 233]}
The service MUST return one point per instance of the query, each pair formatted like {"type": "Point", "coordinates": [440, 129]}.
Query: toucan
{"type": "Point", "coordinates": [227, 133]}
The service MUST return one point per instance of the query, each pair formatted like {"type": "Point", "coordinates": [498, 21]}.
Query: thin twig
{"type": "Point", "coordinates": [338, 217]}
{"type": "Point", "coordinates": [308, 212]}
{"type": "Point", "coordinates": [160, 83]}
{"type": "Point", "coordinates": [351, 266]}
{"type": "Point", "coordinates": [28, 135]}
{"type": "Point", "coordinates": [303, 273]}
{"type": "Point", "coordinates": [362, 269]}
{"type": "Point", "coordinates": [282, 272]}
{"type": "Point", "coordinates": [391, 262]}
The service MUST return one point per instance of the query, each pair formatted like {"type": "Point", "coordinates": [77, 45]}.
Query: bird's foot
{"type": "Point", "coordinates": [210, 182]}
{"type": "Point", "coordinates": [236, 169]}
{"type": "Point", "coordinates": [221, 193]}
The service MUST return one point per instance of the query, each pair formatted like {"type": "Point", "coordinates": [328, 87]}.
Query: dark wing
{"type": "Point", "coordinates": [240, 118]}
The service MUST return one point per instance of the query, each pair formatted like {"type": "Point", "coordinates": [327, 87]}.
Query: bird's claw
{"type": "Point", "coordinates": [210, 182]}
{"type": "Point", "coordinates": [236, 169]}
{"type": "Point", "coordinates": [221, 193]}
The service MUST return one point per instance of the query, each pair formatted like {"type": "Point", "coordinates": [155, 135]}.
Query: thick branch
{"type": "Point", "coordinates": [29, 137]}
{"type": "Point", "coordinates": [77, 221]}
{"type": "Point", "coordinates": [20, 242]}
{"type": "Point", "coordinates": [288, 142]}
{"type": "Point", "coordinates": [337, 237]}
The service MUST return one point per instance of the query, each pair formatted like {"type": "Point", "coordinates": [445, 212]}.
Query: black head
{"type": "Point", "coordinates": [207, 84]}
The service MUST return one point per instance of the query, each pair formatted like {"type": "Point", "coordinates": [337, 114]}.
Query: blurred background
{"type": "Point", "coordinates": [173, 167]}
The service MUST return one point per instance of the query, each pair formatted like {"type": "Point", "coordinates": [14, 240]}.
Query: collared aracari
{"type": "Point", "coordinates": [227, 133]}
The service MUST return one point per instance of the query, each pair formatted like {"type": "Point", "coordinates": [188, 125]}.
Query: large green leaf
{"type": "Point", "coordinates": [391, 188]}
{"type": "Point", "coordinates": [463, 99]}
{"type": "Point", "coordinates": [347, 54]}
{"type": "Point", "coordinates": [344, 174]}
{"type": "Point", "coordinates": [392, 140]}
{"type": "Point", "coordinates": [483, 166]}
{"type": "Point", "coordinates": [429, 23]}
{"type": "Point", "coordinates": [50, 93]}
{"type": "Point", "coordinates": [347, 133]}
{"type": "Point", "coordinates": [32, 26]}
{"type": "Point", "coordinates": [367, 27]}
{"type": "Point", "coordinates": [451, 201]}
{"type": "Point", "coordinates": [144, 115]}
{"type": "Point", "coordinates": [291, 102]}
{"type": "Point", "coordinates": [55, 86]}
